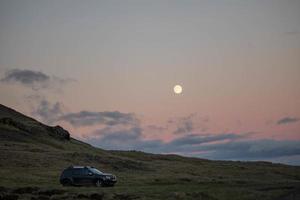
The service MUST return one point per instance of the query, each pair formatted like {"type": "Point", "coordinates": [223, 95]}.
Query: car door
{"type": "Point", "coordinates": [85, 176]}
{"type": "Point", "coordinates": [77, 177]}
{"type": "Point", "coordinates": [89, 176]}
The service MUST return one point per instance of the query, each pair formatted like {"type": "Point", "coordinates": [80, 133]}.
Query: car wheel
{"type": "Point", "coordinates": [99, 183]}
{"type": "Point", "coordinates": [66, 182]}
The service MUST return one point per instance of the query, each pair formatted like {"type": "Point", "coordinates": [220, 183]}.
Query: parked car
{"type": "Point", "coordinates": [85, 175]}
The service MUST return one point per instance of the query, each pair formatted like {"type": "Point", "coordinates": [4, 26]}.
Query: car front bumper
{"type": "Point", "coordinates": [110, 181]}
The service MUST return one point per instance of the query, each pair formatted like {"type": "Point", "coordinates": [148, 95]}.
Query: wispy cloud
{"type": "Point", "coordinates": [88, 118]}
{"type": "Point", "coordinates": [185, 144]}
{"type": "Point", "coordinates": [157, 129]}
{"type": "Point", "coordinates": [185, 125]}
{"type": "Point", "coordinates": [252, 149]}
{"type": "Point", "coordinates": [118, 138]}
{"type": "Point", "coordinates": [195, 139]}
{"type": "Point", "coordinates": [48, 112]}
{"type": "Point", "coordinates": [287, 120]}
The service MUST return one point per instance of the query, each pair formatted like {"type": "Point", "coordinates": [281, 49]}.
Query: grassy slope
{"type": "Point", "coordinates": [37, 160]}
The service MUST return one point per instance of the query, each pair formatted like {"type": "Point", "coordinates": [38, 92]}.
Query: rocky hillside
{"type": "Point", "coordinates": [10, 118]}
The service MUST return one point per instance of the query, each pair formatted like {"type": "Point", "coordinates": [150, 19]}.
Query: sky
{"type": "Point", "coordinates": [105, 70]}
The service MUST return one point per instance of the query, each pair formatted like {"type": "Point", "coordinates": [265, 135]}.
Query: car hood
{"type": "Point", "coordinates": [105, 174]}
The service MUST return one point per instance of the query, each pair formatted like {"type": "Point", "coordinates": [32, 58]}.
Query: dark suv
{"type": "Point", "coordinates": [79, 175]}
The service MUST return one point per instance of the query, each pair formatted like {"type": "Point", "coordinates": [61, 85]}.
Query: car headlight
{"type": "Point", "coordinates": [107, 177]}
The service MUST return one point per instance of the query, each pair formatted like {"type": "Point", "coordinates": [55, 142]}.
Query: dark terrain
{"type": "Point", "coordinates": [32, 156]}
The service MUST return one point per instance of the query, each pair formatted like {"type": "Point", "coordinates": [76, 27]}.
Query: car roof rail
{"type": "Point", "coordinates": [74, 166]}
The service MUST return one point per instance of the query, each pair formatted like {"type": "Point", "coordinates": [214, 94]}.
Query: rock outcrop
{"type": "Point", "coordinates": [59, 132]}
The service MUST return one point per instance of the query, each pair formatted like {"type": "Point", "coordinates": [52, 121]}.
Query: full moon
{"type": "Point", "coordinates": [177, 89]}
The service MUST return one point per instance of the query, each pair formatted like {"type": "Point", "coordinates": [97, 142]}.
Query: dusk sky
{"type": "Point", "coordinates": [105, 70]}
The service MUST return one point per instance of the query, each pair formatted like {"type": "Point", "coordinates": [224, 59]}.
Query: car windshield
{"type": "Point", "coordinates": [95, 171]}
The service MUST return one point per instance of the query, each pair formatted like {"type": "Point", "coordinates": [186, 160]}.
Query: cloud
{"type": "Point", "coordinates": [252, 149]}
{"type": "Point", "coordinates": [155, 128]}
{"type": "Point", "coordinates": [133, 133]}
{"type": "Point", "coordinates": [127, 140]}
{"type": "Point", "coordinates": [41, 86]}
{"type": "Point", "coordinates": [35, 80]}
{"type": "Point", "coordinates": [25, 77]}
{"type": "Point", "coordinates": [195, 139]}
{"type": "Point", "coordinates": [55, 112]}
{"type": "Point", "coordinates": [49, 113]}
{"type": "Point", "coordinates": [185, 125]}
{"type": "Point", "coordinates": [193, 143]}
{"type": "Point", "coordinates": [287, 120]}
{"type": "Point", "coordinates": [118, 139]}
{"type": "Point", "coordinates": [88, 118]}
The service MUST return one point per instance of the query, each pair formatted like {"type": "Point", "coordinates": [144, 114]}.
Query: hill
{"type": "Point", "coordinates": [32, 156]}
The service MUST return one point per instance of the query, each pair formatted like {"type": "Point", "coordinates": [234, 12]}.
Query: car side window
{"type": "Point", "coordinates": [76, 172]}
{"type": "Point", "coordinates": [85, 171]}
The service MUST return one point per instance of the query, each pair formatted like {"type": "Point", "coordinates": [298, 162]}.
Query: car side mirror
{"type": "Point", "coordinates": [90, 174]}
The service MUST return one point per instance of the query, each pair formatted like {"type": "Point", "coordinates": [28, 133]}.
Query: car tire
{"type": "Point", "coordinates": [99, 183]}
{"type": "Point", "coordinates": [66, 182]}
